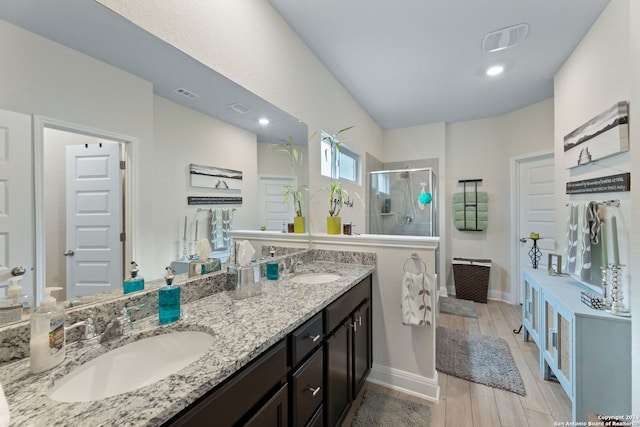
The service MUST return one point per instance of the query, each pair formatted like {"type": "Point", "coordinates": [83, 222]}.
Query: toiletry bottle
{"type": "Point", "coordinates": [169, 300]}
{"type": "Point", "coordinates": [134, 282]}
{"type": "Point", "coordinates": [47, 334]}
{"type": "Point", "coordinates": [272, 265]}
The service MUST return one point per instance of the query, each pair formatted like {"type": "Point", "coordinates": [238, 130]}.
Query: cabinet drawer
{"type": "Point", "coordinates": [230, 402]}
{"type": "Point", "coordinates": [343, 306]}
{"type": "Point", "coordinates": [307, 389]}
{"type": "Point", "coordinates": [273, 413]}
{"type": "Point", "coordinates": [306, 338]}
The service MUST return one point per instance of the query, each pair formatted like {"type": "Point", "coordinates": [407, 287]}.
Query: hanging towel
{"type": "Point", "coordinates": [593, 211]}
{"type": "Point", "coordinates": [481, 206]}
{"type": "Point", "coordinates": [470, 224]}
{"type": "Point", "coordinates": [483, 196]}
{"type": "Point", "coordinates": [416, 300]}
{"type": "Point", "coordinates": [221, 221]}
{"type": "Point", "coordinates": [471, 215]}
{"type": "Point", "coordinates": [572, 238]}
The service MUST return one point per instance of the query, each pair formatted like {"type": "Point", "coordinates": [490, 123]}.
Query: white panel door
{"type": "Point", "coordinates": [94, 219]}
{"type": "Point", "coordinates": [273, 211]}
{"type": "Point", "coordinates": [536, 209]}
{"type": "Point", "coordinates": [16, 198]}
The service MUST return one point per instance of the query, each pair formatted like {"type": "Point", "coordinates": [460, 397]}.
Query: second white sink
{"type": "Point", "coordinates": [315, 278]}
{"type": "Point", "coordinates": [131, 366]}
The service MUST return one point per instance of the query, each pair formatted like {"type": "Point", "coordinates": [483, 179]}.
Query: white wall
{"type": "Point", "coordinates": [594, 78]}
{"type": "Point", "coordinates": [482, 149]}
{"type": "Point", "coordinates": [601, 71]}
{"type": "Point", "coordinates": [181, 137]}
{"type": "Point", "coordinates": [634, 233]}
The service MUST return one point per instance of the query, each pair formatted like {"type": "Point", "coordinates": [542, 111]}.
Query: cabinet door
{"type": "Point", "coordinates": [273, 413]}
{"type": "Point", "coordinates": [530, 310]}
{"type": "Point", "coordinates": [361, 346]}
{"type": "Point", "coordinates": [338, 374]}
{"type": "Point", "coordinates": [557, 347]}
{"type": "Point", "coordinates": [306, 384]}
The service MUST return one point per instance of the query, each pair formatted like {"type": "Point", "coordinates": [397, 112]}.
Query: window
{"type": "Point", "coordinates": [338, 161]}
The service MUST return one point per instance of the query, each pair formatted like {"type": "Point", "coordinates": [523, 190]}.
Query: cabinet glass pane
{"type": "Point", "coordinates": [527, 298]}
{"type": "Point", "coordinates": [549, 321]}
{"type": "Point", "coordinates": [534, 309]}
{"type": "Point", "coordinates": [564, 347]}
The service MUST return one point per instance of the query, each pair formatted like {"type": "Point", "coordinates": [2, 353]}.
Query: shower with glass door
{"type": "Point", "coordinates": [403, 202]}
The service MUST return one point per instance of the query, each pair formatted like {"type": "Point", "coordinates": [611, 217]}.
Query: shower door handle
{"type": "Point", "coordinates": [69, 252]}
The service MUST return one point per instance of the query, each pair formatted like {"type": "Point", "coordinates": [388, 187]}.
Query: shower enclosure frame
{"type": "Point", "coordinates": [432, 184]}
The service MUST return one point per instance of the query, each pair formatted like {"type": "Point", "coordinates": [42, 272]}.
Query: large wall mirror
{"type": "Point", "coordinates": [141, 96]}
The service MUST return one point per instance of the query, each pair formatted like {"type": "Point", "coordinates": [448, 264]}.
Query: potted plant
{"type": "Point", "coordinates": [291, 191]}
{"type": "Point", "coordinates": [337, 196]}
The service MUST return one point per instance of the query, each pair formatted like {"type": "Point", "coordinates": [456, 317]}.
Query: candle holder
{"type": "Point", "coordinates": [535, 253]}
{"type": "Point", "coordinates": [617, 306]}
{"type": "Point", "coordinates": [606, 301]}
{"type": "Point", "coordinates": [185, 255]}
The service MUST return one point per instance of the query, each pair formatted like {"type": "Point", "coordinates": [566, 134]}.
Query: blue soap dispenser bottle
{"type": "Point", "coordinates": [134, 282]}
{"type": "Point", "coordinates": [272, 265]}
{"type": "Point", "coordinates": [169, 299]}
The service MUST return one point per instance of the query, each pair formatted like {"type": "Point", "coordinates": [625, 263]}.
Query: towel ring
{"type": "Point", "coordinates": [414, 256]}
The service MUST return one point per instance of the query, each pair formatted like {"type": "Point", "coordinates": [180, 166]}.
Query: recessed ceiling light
{"type": "Point", "coordinates": [495, 70]}
{"type": "Point", "coordinates": [263, 121]}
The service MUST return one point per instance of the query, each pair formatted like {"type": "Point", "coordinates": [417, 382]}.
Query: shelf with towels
{"type": "Point", "coordinates": [470, 209]}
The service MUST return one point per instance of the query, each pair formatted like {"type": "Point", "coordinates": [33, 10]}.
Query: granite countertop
{"type": "Point", "coordinates": [242, 330]}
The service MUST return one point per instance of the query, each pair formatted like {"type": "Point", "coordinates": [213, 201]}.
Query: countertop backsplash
{"type": "Point", "coordinates": [14, 339]}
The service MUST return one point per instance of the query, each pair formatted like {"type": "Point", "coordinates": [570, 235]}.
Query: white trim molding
{"type": "Point", "coordinates": [406, 382]}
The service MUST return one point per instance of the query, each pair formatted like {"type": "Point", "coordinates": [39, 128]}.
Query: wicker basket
{"type": "Point", "coordinates": [471, 277]}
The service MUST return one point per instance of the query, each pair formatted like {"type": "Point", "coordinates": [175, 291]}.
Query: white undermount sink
{"type": "Point", "coordinates": [131, 366]}
{"type": "Point", "coordinates": [315, 278]}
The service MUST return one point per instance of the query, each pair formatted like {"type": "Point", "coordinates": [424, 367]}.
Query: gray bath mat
{"type": "Point", "coordinates": [459, 307]}
{"type": "Point", "coordinates": [379, 409]}
{"type": "Point", "coordinates": [478, 358]}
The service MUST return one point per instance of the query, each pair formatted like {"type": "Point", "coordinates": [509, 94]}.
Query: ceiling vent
{"type": "Point", "coordinates": [186, 93]}
{"type": "Point", "coordinates": [239, 108]}
{"type": "Point", "coordinates": [504, 38]}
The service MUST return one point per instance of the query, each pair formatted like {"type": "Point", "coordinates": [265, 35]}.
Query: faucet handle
{"type": "Point", "coordinates": [127, 324]}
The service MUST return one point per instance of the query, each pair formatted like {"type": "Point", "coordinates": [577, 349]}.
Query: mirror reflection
{"type": "Point", "coordinates": [94, 71]}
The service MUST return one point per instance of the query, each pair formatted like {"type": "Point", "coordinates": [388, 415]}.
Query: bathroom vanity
{"type": "Point", "coordinates": [295, 355]}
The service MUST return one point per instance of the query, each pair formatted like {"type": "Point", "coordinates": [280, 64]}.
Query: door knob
{"type": "Point", "coordinates": [69, 253]}
{"type": "Point", "coordinates": [18, 271]}
{"type": "Point", "coordinates": [523, 240]}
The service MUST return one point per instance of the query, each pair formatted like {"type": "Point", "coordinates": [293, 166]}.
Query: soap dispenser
{"type": "Point", "coordinates": [272, 265]}
{"type": "Point", "coordinates": [134, 282]}
{"type": "Point", "coordinates": [169, 299]}
{"type": "Point", "coordinates": [47, 334]}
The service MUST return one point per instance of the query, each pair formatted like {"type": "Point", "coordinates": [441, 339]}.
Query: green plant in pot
{"type": "Point", "coordinates": [337, 195]}
{"type": "Point", "coordinates": [292, 191]}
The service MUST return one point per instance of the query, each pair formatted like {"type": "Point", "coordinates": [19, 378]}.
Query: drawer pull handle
{"type": "Point", "coordinates": [313, 338]}
{"type": "Point", "coordinates": [359, 320]}
{"type": "Point", "coordinates": [313, 390]}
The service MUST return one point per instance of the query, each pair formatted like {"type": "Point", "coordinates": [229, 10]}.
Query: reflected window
{"type": "Point", "coordinates": [338, 161]}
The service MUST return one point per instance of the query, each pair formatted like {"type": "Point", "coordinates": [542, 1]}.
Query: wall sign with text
{"type": "Point", "coordinates": [604, 184]}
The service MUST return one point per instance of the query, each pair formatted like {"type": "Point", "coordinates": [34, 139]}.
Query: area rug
{"type": "Point", "coordinates": [458, 307]}
{"type": "Point", "coordinates": [479, 358]}
{"type": "Point", "coordinates": [379, 409]}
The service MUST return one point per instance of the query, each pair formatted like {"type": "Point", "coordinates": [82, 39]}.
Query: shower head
{"type": "Point", "coordinates": [404, 175]}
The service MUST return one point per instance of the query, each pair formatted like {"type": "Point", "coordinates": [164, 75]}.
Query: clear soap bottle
{"type": "Point", "coordinates": [134, 282]}
{"type": "Point", "coordinates": [169, 300]}
{"type": "Point", "coordinates": [47, 334]}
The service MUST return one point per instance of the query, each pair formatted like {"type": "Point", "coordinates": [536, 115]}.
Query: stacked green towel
{"type": "Point", "coordinates": [471, 225]}
{"type": "Point", "coordinates": [471, 197]}
{"type": "Point", "coordinates": [471, 215]}
{"type": "Point", "coordinates": [482, 207]}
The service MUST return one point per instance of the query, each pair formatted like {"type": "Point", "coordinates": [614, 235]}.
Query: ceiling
{"type": "Point", "coordinates": [413, 62]}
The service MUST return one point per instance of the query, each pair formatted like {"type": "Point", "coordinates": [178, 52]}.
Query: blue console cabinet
{"type": "Point", "coordinates": [588, 351]}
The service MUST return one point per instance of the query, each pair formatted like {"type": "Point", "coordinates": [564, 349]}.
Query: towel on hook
{"type": "Point", "coordinates": [416, 299]}
{"type": "Point", "coordinates": [593, 218]}
{"type": "Point", "coordinates": [578, 249]}
{"type": "Point", "coordinates": [221, 221]}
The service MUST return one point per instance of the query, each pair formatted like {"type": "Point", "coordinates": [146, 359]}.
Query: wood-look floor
{"type": "Point", "coordinates": [466, 404]}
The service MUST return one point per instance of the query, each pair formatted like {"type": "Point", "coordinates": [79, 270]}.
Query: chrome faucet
{"type": "Point", "coordinates": [116, 327]}
{"type": "Point", "coordinates": [294, 264]}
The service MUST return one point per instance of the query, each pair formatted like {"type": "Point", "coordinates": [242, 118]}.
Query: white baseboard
{"type": "Point", "coordinates": [406, 382]}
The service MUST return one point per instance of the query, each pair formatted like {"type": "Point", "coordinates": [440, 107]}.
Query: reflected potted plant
{"type": "Point", "coordinates": [291, 191]}
{"type": "Point", "coordinates": [337, 195]}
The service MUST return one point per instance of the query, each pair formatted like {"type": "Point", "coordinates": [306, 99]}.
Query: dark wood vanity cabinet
{"type": "Point", "coordinates": [308, 379]}
{"type": "Point", "coordinates": [348, 355]}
